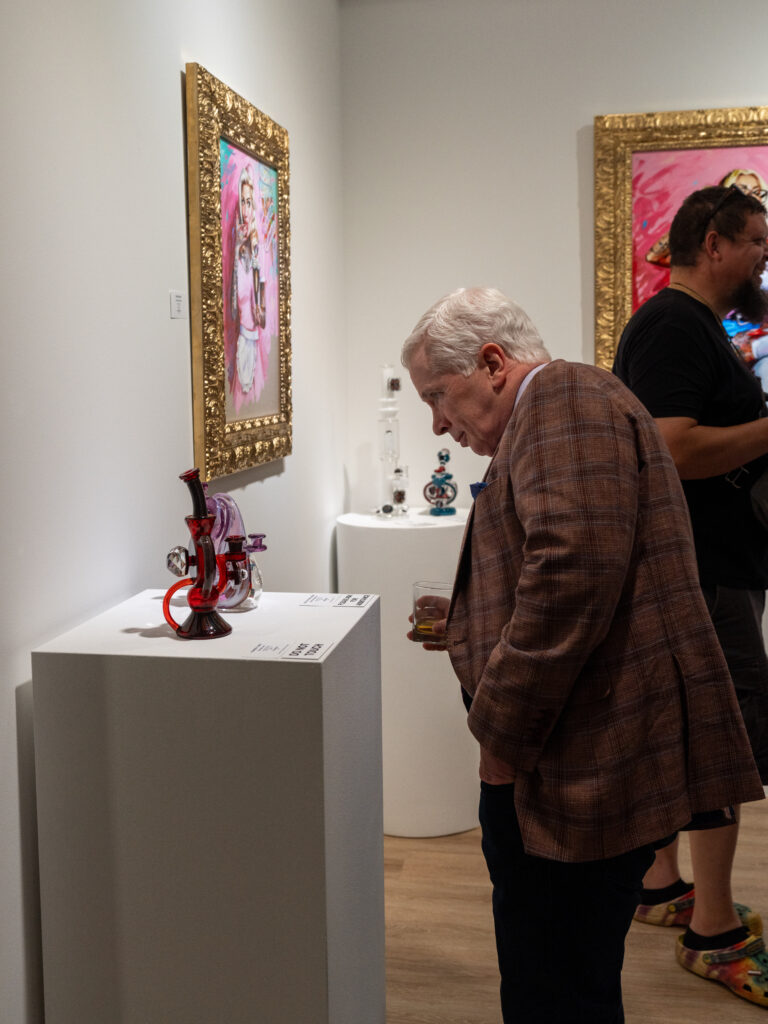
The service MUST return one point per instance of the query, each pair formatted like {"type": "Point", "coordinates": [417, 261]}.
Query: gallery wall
{"type": "Point", "coordinates": [96, 375]}
{"type": "Point", "coordinates": [468, 161]}
{"type": "Point", "coordinates": [467, 158]}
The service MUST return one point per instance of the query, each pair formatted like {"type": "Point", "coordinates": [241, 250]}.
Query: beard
{"type": "Point", "coordinates": [750, 302]}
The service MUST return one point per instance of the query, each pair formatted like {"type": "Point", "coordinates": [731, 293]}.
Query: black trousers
{"type": "Point", "coordinates": [737, 616]}
{"type": "Point", "coordinates": [560, 928]}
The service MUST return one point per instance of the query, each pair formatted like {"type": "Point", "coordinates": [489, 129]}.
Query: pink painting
{"type": "Point", "coordinates": [250, 284]}
{"type": "Point", "coordinates": [660, 182]}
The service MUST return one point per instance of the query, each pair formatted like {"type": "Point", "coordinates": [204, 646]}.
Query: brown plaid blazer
{"type": "Point", "coordinates": [578, 627]}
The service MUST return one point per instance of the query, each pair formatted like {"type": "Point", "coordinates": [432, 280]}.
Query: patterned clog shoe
{"type": "Point", "coordinates": [678, 913]}
{"type": "Point", "coordinates": [743, 967]}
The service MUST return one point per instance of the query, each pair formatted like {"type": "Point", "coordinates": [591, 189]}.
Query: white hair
{"type": "Point", "coordinates": [454, 330]}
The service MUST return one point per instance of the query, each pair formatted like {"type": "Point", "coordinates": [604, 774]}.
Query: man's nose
{"type": "Point", "coordinates": [439, 426]}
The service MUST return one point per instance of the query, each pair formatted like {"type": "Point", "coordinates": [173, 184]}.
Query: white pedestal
{"type": "Point", "coordinates": [430, 758]}
{"type": "Point", "coordinates": [210, 818]}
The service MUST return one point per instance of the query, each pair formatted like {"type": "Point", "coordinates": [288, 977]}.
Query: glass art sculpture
{"type": "Point", "coordinates": [441, 490]}
{"type": "Point", "coordinates": [256, 581]}
{"type": "Point", "coordinates": [203, 621]}
{"type": "Point", "coordinates": [243, 583]}
{"type": "Point", "coordinates": [243, 592]}
{"type": "Point", "coordinates": [394, 476]}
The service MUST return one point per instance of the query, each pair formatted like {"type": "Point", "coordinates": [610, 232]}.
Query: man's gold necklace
{"type": "Point", "coordinates": [678, 286]}
{"type": "Point", "coordinates": [692, 291]}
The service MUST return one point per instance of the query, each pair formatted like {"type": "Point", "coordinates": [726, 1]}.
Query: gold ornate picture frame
{"type": "Point", "coordinates": [645, 166]}
{"type": "Point", "coordinates": [240, 291]}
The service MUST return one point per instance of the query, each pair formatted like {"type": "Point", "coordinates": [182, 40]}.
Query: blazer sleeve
{"type": "Point", "coordinates": [572, 463]}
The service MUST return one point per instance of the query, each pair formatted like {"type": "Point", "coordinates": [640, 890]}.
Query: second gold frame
{"type": "Point", "coordinates": [645, 165]}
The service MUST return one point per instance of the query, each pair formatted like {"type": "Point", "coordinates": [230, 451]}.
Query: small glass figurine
{"type": "Point", "coordinates": [440, 491]}
{"type": "Point", "coordinates": [399, 481]}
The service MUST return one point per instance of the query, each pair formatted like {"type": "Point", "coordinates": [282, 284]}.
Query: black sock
{"type": "Point", "coordinates": [692, 940]}
{"type": "Point", "coordinates": [669, 892]}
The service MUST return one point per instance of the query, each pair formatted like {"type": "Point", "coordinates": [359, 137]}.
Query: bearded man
{"type": "Point", "coordinates": [675, 355]}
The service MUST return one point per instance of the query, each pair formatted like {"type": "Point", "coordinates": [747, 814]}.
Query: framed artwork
{"type": "Point", "coordinates": [240, 297]}
{"type": "Point", "coordinates": [645, 166]}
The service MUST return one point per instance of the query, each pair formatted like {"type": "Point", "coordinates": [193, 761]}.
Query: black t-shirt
{"type": "Point", "coordinates": [676, 357]}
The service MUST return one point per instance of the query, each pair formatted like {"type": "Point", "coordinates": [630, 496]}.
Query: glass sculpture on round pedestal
{"type": "Point", "coordinates": [440, 492]}
{"type": "Point", "coordinates": [394, 480]}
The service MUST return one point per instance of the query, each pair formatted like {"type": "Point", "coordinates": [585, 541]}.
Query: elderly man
{"type": "Point", "coordinates": [677, 358]}
{"type": "Point", "coordinates": [596, 686]}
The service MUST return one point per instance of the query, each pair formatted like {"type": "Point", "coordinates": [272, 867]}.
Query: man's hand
{"type": "Point", "coordinates": [432, 616]}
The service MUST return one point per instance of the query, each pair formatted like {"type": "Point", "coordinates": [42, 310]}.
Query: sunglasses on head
{"type": "Point", "coordinates": [730, 193]}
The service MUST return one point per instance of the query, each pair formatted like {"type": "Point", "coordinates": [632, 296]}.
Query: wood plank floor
{"type": "Point", "coordinates": [441, 959]}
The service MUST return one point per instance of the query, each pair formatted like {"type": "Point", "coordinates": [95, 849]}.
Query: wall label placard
{"type": "Point", "coordinates": [338, 600]}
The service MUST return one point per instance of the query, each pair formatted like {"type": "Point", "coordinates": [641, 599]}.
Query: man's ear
{"type": "Point", "coordinates": [711, 245]}
{"type": "Point", "coordinates": [495, 361]}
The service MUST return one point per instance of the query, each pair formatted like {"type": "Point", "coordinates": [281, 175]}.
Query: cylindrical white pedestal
{"type": "Point", "coordinates": [430, 758]}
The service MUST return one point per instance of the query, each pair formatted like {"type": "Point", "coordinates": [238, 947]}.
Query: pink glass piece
{"type": "Point", "coordinates": [229, 525]}
{"type": "Point", "coordinates": [229, 520]}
